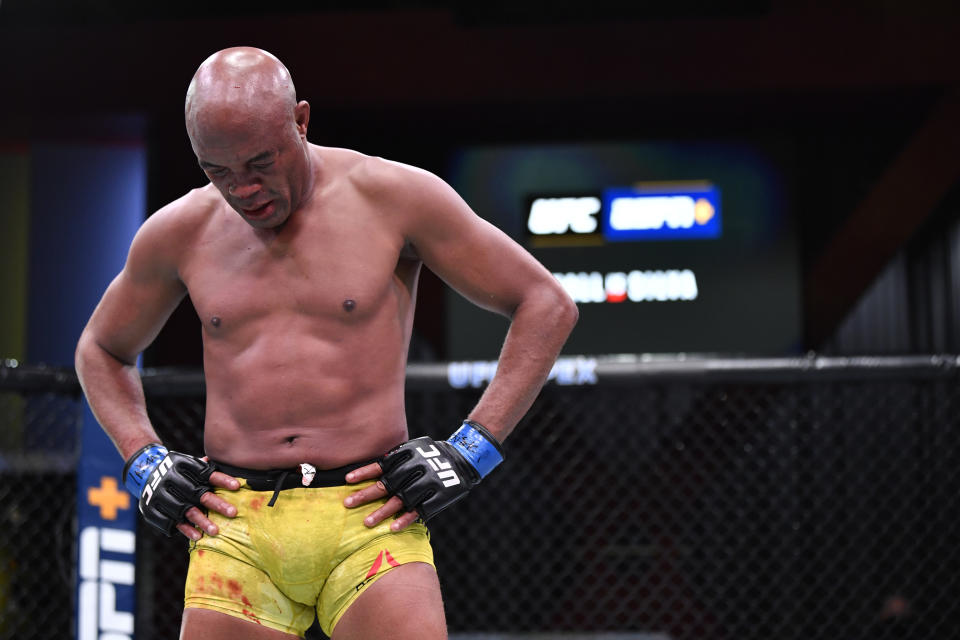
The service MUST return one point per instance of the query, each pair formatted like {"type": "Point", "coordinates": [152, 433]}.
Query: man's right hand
{"type": "Point", "coordinates": [174, 489]}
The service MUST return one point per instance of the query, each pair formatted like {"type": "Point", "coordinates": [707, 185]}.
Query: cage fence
{"type": "Point", "coordinates": [39, 422]}
{"type": "Point", "coordinates": [718, 499]}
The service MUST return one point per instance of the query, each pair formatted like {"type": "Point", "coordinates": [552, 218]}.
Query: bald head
{"type": "Point", "coordinates": [249, 134]}
{"type": "Point", "coordinates": [242, 79]}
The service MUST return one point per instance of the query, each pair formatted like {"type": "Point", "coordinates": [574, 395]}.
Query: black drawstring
{"type": "Point", "coordinates": [277, 487]}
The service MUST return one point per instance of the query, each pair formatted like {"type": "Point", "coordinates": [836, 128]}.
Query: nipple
{"type": "Point", "coordinates": [349, 304]}
{"type": "Point", "coordinates": [215, 321]}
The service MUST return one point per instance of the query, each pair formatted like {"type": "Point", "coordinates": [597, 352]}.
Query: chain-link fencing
{"type": "Point", "coordinates": [39, 422]}
{"type": "Point", "coordinates": [788, 499]}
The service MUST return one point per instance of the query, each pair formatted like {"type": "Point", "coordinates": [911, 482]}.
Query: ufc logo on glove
{"type": "Point", "coordinates": [458, 465]}
{"type": "Point", "coordinates": [441, 467]}
{"type": "Point", "coordinates": [158, 473]}
{"type": "Point", "coordinates": [176, 480]}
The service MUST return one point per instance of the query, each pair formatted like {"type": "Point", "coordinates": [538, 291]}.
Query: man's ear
{"type": "Point", "coordinates": [301, 115]}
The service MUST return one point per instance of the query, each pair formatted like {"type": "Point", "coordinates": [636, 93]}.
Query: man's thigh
{"type": "Point", "coordinates": [404, 604]}
{"type": "Point", "coordinates": [203, 624]}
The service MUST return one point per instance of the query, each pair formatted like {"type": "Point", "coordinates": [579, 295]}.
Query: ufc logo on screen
{"type": "Point", "coordinates": [158, 473]}
{"type": "Point", "coordinates": [443, 469]}
{"type": "Point", "coordinates": [562, 215]}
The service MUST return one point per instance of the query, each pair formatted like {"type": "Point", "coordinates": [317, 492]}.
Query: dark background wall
{"type": "Point", "coordinates": [866, 93]}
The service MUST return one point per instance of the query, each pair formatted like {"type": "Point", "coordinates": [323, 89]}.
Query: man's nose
{"type": "Point", "coordinates": [244, 191]}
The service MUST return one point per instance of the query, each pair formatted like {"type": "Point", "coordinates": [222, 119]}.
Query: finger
{"type": "Point", "coordinates": [201, 521]}
{"type": "Point", "coordinates": [404, 521]}
{"type": "Point", "coordinates": [390, 507]}
{"type": "Point", "coordinates": [222, 480]}
{"type": "Point", "coordinates": [189, 531]}
{"type": "Point", "coordinates": [367, 494]}
{"type": "Point", "coordinates": [213, 502]}
{"type": "Point", "coordinates": [367, 472]}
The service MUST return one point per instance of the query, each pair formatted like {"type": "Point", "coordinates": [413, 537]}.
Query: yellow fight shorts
{"type": "Point", "coordinates": [306, 555]}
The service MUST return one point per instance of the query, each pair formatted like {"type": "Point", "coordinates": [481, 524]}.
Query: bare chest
{"type": "Point", "coordinates": [342, 272]}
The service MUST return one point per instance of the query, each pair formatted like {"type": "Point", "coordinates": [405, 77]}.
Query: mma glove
{"type": "Point", "coordinates": [429, 476]}
{"type": "Point", "coordinates": [167, 484]}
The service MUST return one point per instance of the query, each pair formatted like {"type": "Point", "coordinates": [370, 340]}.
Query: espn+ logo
{"type": "Point", "coordinates": [639, 212]}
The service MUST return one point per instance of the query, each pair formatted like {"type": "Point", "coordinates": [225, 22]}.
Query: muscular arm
{"type": "Point", "coordinates": [487, 267]}
{"type": "Point", "coordinates": [127, 319]}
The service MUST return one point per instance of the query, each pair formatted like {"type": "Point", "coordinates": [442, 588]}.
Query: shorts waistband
{"type": "Point", "coordinates": [289, 478]}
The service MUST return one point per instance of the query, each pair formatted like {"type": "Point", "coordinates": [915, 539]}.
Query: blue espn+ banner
{"type": "Point", "coordinates": [661, 212]}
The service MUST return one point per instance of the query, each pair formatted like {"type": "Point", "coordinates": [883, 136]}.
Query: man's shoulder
{"type": "Point", "coordinates": [372, 174]}
{"type": "Point", "coordinates": [187, 213]}
{"type": "Point", "coordinates": [193, 206]}
{"type": "Point", "coordinates": [172, 228]}
{"type": "Point", "coordinates": [391, 190]}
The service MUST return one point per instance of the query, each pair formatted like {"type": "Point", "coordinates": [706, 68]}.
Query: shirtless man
{"type": "Point", "coordinates": [302, 263]}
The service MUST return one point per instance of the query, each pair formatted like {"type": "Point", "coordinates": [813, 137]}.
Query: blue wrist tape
{"type": "Point", "coordinates": [139, 468]}
{"type": "Point", "coordinates": [477, 448]}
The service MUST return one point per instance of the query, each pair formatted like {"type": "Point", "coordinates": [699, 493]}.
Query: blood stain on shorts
{"type": "Point", "coordinates": [252, 616]}
{"type": "Point", "coordinates": [236, 593]}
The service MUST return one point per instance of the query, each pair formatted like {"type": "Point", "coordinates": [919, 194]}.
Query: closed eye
{"type": "Point", "coordinates": [213, 169]}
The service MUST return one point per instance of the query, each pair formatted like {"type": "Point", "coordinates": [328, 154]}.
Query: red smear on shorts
{"type": "Point", "coordinates": [257, 503]}
{"type": "Point", "coordinates": [237, 592]}
{"type": "Point", "coordinates": [200, 552]}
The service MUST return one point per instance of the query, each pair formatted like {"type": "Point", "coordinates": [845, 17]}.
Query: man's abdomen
{"type": "Point", "coordinates": [283, 401]}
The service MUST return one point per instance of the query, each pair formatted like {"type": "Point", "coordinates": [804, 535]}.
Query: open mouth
{"type": "Point", "coordinates": [259, 212]}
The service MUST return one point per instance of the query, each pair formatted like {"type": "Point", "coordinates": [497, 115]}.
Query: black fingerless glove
{"type": "Point", "coordinates": [429, 476]}
{"type": "Point", "coordinates": [167, 484]}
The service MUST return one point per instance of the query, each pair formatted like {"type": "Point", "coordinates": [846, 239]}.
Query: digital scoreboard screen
{"type": "Point", "coordinates": [665, 247]}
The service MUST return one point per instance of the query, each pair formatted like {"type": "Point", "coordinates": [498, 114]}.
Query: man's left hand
{"type": "Point", "coordinates": [422, 476]}
{"type": "Point", "coordinates": [377, 492]}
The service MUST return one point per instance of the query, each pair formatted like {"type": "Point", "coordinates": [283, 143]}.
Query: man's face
{"type": "Point", "coordinates": [257, 164]}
